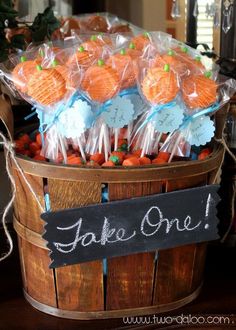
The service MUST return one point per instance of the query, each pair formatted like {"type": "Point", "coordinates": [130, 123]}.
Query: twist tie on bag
{"type": "Point", "coordinates": [108, 103]}
{"type": "Point", "coordinates": [154, 111]}
{"type": "Point", "coordinates": [189, 119]}
{"type": "Point", "coordinates": [201, 127]}
{"type": "Point", "coordinates": [129, 91]}
{"type": "Point", "coordinates": [48, 120]}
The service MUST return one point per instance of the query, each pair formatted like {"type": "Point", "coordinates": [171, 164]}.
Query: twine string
{"type": "Point", "coordinates": [226, 148]}
{"type": "Point", "coordinates": [10, 154]}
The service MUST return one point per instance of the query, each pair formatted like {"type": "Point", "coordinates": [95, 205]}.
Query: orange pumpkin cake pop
{"type": "Point", "coordinates": [81, 58]}
{"type": "Point", "coordinates": [124, 66]}
{"type": "Point", "coordinates": [97, 23]}
{"type": "Point", "coordinates": [46, 86]}
{"type": "Point", "coordinates": [101, 82]}
{"type": "Point", "coordinates": [195, 65]}
{"type": "Point", "coordinates": [199, 91]}
{"type": "Point", "coordinates": [93, 46]}
{"type": "Point", "coordinates": [170, 58]}
{"type": "Point", "coordinates": [71, 77]}
{"type": "Point", "coordinates": [22, 72]}
{"type": "Point", "coordinates": [141, 41]}
{"type": "Point", "coordinates": [160, 85]}
{"type": "Point", "coordinates": [133, 51]}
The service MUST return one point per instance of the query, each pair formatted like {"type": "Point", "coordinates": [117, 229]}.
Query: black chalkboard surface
{"type": "Point", "coordinates": [130, 226]}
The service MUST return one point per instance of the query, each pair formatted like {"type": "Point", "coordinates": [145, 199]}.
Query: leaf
{"type": "Point", "coordinates": [7, 13]}
{"type": "Point", "coordinates": [4, 48]}
{"type": "Point", "coordinates": [6, 7]}
{"type": "Point", "coordinates": [18, 41]}
{"type": "Point", "coordinates": [44, 25]}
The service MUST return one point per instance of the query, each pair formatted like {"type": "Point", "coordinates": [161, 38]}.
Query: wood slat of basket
{"type": "Point", "coordinates": [199, 265]}
{"type": "Point", "coordinates": [26, 209]}
{"type": "Point", "coordinates": [130, 278]}
{"type": "Point", "coordinates": [40, 279]}
{"type": "Point", "coordinates": [79, 287]}
{"type": "Point", "coordinates": [174, 274]}
{"type": "Point", "coordinates": [177, 264]}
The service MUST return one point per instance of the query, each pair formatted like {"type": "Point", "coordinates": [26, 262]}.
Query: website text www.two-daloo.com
{"type": "Point", "coordinates": [180, 319]}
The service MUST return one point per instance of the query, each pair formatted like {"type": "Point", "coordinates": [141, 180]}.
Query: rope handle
{"type": "Point", "coordinates": [6, 116]}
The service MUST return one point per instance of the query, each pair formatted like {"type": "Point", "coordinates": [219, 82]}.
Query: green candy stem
{"type": "Point", "coordinates": [41, 53]}
{"type": "Point", "coordinates": [184, 49]}
{"type": "Point", "coordinates": [131, 45]}
{"type": "Point", "coordinates": [54, 63]}
{"type": "Point", "coordinates": [146, 34]}
{"type": "Point", "coordinates": [39, 68]}
{"type": "Point", "coordinates": [171, 52]}
{"type": "Point", "coordinates": [81, 49]}
{"type": "Point", "coordinates": [93, 38]}
{"type": "Point", "coordinates": [208, 74]}
{"type": "Point", "coordinates": [122, 52]}
{"type": "Point", "coordinates": [198, 58]}
{"type": "Point", "coordinates": [167, 68]}
{"type": "Point", "coordinates": [23, 59]}
{"type": "Point", "coordinates": [100, 63]}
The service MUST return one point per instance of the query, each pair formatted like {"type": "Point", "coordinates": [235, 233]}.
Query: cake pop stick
{"type": "Point", "coordinates": [160, 88]}
{"type": "Point", "coordinates": [173, 152]}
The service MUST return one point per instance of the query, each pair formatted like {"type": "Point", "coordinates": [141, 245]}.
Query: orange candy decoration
{"type": "Point", "coordinates": [124, 65]}
{"type": "Point", "coordinates": [199, 91]}
{"type": "Point", "coordinates": [47, 86]}
{"type": "Point", "coordinates": [81, 58]}
{"type": "Point", "coordinates": [160, 86]}
{"type": "Point", "coordinates": [101, 82]}
{"type": "Point", "coordinates": [141, 41]}
{"type": "Point", "coordinates": [22, 73]}
{"type": "Point", "coordinates": [170, 58]}
{"type": "Point", "coordinates": [94, 47]}
{"type": "Point", "coordinates": [97, 23]}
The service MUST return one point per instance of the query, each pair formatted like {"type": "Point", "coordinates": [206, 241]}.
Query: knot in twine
{"type": "Point", "coordinates": [10, 155]}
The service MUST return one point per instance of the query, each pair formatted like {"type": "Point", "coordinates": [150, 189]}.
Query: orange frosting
{"type": "Point", "coordinates": [195, 65]}
{"type": "Point", "coordinates": [124, 66]}
{"type": "Point", "coordinates": [71, 77]}
{"type": "Point", "coordinates": [140, 41]}
{"type": "Point", "coordinates": [81, 58]}
{"type": "Point", "coordinates": [93, 47]}
{"type": "Point", "coordinates": [178, 66]}
{"type": "Point", "coordinates": [22, 73]}
{"type": "Point", "coordinates": [101, 82]}
{"type": "Point", "coordinates": [97, 23]}
{"type": "Point", "coordinates": [199, 91]}
{"type": "Point", "coordinates": [160, 86]}
{"type": "Point", "coordinates": [134, 53]}
{"type": "Point", "coordinates": [120, 28]}
{"type": "Point", "coordinates": [47, 86]}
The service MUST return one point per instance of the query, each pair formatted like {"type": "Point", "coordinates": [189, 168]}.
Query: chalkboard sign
{"type": "Point", "coordinates": [129, 226]}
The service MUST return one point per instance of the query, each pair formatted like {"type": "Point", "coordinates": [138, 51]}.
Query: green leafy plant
{"type": "Point", "coordinates": [15, 35]}
{"type": "Point", "coordinates": [44, 25]}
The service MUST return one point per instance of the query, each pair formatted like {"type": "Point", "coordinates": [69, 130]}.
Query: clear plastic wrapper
{"type": "Point", "coordinates": [45, 77]}
{"type": "Point", "coordinates": [103, 22]}
{"type": "Point", "coordinates": [101, 83]}
{"type": "Point", "coordinates": [198, 128]}
{"type": "Point", "coordinates": [175, 84]}
{"type": "Point", "coordinates": [160, 88]}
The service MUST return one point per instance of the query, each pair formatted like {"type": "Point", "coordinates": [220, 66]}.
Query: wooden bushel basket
{"type": "Point", "coordinates": [134, 284]}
